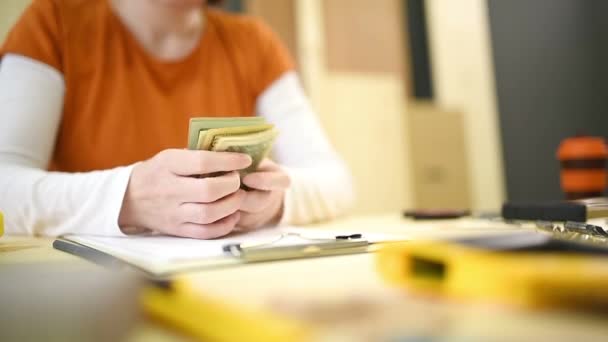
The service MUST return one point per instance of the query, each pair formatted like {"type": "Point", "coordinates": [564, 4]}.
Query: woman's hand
{"type": "Point", "coordinates": [263, 204]}
{"type": "Point", "coordinates": [162, 196]}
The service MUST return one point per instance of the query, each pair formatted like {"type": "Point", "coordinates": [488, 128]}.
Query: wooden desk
{"type": "Point", "coordinates": [343, 295]}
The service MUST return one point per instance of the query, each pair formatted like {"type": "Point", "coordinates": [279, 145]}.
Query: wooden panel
{"type": "Point", "coordinates": [438, 158]}
{"type": "Point", "coordinates": [280, 15]}
{"type": "Point", "coordinates": [364, 36]}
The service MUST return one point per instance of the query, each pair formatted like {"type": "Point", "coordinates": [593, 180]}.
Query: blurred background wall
{"type": "Point", "coordinates": [358, 88]}
{"type": "Point", "coordinates": [424, 99]}
{"type": "Point", "coordinates": [464, 81]}
{"type": "Point", "coordinates": [551, 69]}
{"type": "Point", "coordinates": [9, 13]}
{"type": "Point", "coordinates": [411, 141]}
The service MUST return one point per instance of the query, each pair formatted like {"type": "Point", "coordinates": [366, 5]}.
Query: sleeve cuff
{"type": "Point", "coordinates": [116, 194]}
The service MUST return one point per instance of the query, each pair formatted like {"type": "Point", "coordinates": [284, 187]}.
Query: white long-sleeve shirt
{"type": "Point", "coordinates": [39, 202]}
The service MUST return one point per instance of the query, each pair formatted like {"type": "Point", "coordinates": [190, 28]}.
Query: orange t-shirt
{"type": "Point", "coordinates": [122, 105]}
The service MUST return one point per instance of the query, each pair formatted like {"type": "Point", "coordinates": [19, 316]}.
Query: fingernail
{"type": "Point", "coordinates": [248, 159]}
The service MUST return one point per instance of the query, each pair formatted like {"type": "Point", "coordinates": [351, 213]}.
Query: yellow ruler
{"type": "Point", "coordinates": [519, 278]}
{"type": "Point", "coordinates": [212, 320]}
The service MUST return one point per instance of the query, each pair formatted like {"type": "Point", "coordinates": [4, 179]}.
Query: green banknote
{"type": "Point", "coordinates": [200, 125]}
{"type": "Point", "coordinates": [249, 135]}
{"type": "Point", "coordinates": [206, 138]}
{"type": "Point", "coordinates": [256, 145]}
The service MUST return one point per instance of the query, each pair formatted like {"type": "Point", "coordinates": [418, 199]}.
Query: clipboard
{"type": "Point", "coordinates": [232, 254]}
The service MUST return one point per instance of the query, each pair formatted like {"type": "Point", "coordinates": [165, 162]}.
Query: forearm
{"type": "Point", "coordinates": [33, 200]}
{"type": "Point", "coordinates": [37, 202]}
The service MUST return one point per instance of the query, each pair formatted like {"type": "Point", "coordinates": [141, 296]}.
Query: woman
{"type": "Point", "coordinates": [95, 98]}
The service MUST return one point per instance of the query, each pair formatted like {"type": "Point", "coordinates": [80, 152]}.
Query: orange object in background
{"type": "Point", "coordinates": [583, 166]}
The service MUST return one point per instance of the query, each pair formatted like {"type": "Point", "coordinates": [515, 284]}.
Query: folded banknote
{"type": "Point", "coordinates": [248, 135]}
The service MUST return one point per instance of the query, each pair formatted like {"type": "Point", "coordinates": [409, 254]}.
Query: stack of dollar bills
{"type": "Point", "coordinates": [249, 135]}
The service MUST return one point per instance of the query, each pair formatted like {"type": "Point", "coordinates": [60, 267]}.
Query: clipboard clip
{"type": "Point", "coordinates": [574, 230]}
{"type": "Point", "coordinates": [340, 244]}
